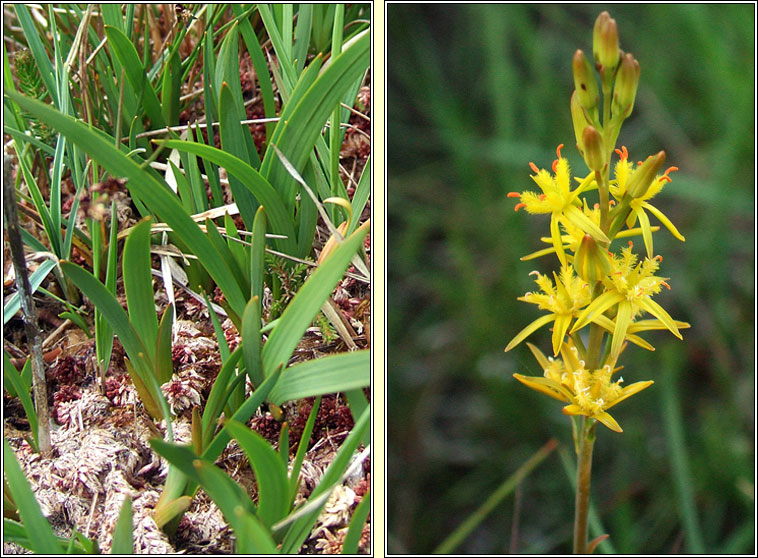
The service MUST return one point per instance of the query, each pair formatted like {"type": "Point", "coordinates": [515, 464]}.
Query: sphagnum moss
{"type": "Point", "coordinates": [596, 299]}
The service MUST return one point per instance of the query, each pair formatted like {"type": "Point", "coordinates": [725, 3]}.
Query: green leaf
{"type": "Point", "coordinates": [138, 285]}
{"type": "Point", "coordinates": [305, 305]}
{"type": "Point", "coordinates": [233, 141]}
{"type": "Point", "coordinates": [251, 341]}
{"type": "Point", "coordinates": [296, 136]}
{"type": "Point", "coordinates": [223, 249]}
{"type": "Point", "coordinates": [302, 449]}
{"type": "Point", "coordinates": [257, 254]}
{"type": "Point", "coordinates": [355, 530]}
{"type": "Point", "coordinates": [281, 221]}
{"type": "Point", "coordinates": [123, 532]}
{"type": "Point", "coordinates": [270, 473]}
{"type": "Point", "coordinates": [302, 526]}
{"type": "Point", "coordinates": [164, 364]}
{"type": "Point", "coordinates": [17, 386]}
{"type": "Point", "coordinates": [43, 540]}
{"type": "Point", "coordinates": [243, 414]}
{"type": "Point", "coordinates": [127, 55]}
{"type": "Point", "coordinates": [216, 400]}
{"type": "Point", "coordinates": [13, 303]}
{"type": "Point", "coordinates": [142, 184]}
{"type": "Point", "coordinates": [332, 374]}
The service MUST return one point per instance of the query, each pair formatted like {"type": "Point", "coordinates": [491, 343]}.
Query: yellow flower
{"type": "Point", "coordinates": [588, 392]}
{"type": "Point", "coordinates": [629, 287]}
{"type": "Point", "coordinates": [624, 171]}
{"type": "Point", "coordinates": [563, 300]}
{"type": "Point", "coordinates": [560, 201]}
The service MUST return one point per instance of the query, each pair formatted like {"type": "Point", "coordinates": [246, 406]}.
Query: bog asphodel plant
{"type": "Point", "coordinates": [601, 297]}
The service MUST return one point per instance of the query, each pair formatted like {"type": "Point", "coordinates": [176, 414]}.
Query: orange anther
{"type": "Point", "coordinates": [596, 206]}
{"type": "Point", "coordinates": [659, 258]}
{"type": "Point", "coordinates": [631, 244]}
{"type": "Point", "coordinates": [558, 150]}
{"type": "Point", "coordinates": [623, 153]}
{"type": "Point", "coordinates": [519, 206]}
{"type": "Point", "coordinates": [514, 194]}
{"type": "Point", "coordinates": [665, 285]}
{"type": "Point", "coordinates": [534, 167]}
{"type": "Point", "coordinates": [555, 166]}
{"type": "Point", "coordinates": [542, 197]}
{"type": "Point", "coordinates": [612, 203]}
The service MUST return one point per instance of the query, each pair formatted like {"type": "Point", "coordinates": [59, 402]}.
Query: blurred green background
{"type": "Point", "coordinates": [476, 92]}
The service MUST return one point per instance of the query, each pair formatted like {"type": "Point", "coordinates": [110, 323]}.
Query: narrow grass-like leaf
{"type": "Point", "coordinates": [449, 545]}
{"type": "Point", "coordinates": [46, 70]}
{"type": "Point", "coordinates": [257, 254]}
{"type": "Point", "coordinates": [302, 36]}
{"type": "Point", "coordinates": [252, 537]}
{"type": "Point", "coordinates": [300, 529]}
{"type": "Point", "coordinates": [43, 540]}
{"type": "Point", "coordinates": [223, 490]}
{"type": "Point", "coordinates": [332, 374]}
{"type": "Point", "coordinates": [299, 133]}
{"type": "Point", "coordinates": [13, 302]}
{"type": "Point", "coordinates": [270, 472]}
{"type": "Point", "coordinates": [361, 195]}
{"type": "Point", "coordinates": [223, 249]}
{"type": "Point", "coordinates": [223, 345]}
{"type": "Point", "coordinates": [251, 341]}
{"type": "Point", "coordinates": [135, 73]}
{"type": "Point", "coordinates": [109, 306]}
{"type": "Point", "coordinates": [261, 68]}
{"type": "Point", "coordinates": [280, 46]}
{"type": "Point", "coordinates": [305, 305]}
{"type": "Point", "coordinates": [164, 366]}
{"type": "Point", "coordinates": [233, 141]}
{"type": "Point", "coordinates": [16, 386]}
{"type": "Point", "coordinates": [123, 532]}
{"type": "Point", "coordinates": [138, 284]}
{"type": "Point", "coordinates": [302, 449]}
{"type": "Point", "coordinates": [243, 414]}
{"type": "Point", "coordinates": [144, 185]}
{"type": "Point", "coordinates": [233, 241]}
{"type": "Point", "coordinates": [216, 400]}
{"type": "Point", "coordinates": [281, 222]}
{"type": "Point", "coordinates": [355, 530]}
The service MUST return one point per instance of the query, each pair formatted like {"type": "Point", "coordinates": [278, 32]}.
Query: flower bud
{"type": "Point", "coordinates": [584, 81]}
{"type": "Point", "coordinates": [605, 44]}
{"type": "Point", "coordinates": [625, 89]}
{"type": "Point", "coordinates": [644, 174]}
{"type": "Point", "coordinates": [591, 261]}
{"type": "Point", "coordinates": [580, 121]}
{"type": "Point", "coordinates": [593, 148]}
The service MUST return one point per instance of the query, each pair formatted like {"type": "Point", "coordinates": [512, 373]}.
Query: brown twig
{"type": "Point", "coordinates": [33, 333]}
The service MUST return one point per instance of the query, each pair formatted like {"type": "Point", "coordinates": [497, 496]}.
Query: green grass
{"type": "Point", "coordinates": [475, 93]}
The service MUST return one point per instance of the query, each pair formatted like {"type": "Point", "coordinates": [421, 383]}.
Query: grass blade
{"type": "Point", "coordinates": [143, 185]}
{"type": "Point", "coordinates": [43, 540]}
{"type": "Point", "coordinates": [123, 538]}
{"type": "Point", "coordinates": [332, 374]}
{"type": "Point", "coordinates": [305, 305]}
{"type": "Point", "coordinates": [138, 284]}
{"type": "Point", "coordinates": [270, 473]}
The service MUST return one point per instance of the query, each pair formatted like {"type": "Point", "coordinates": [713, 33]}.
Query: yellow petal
{"type": "Point", "coordinates": [608, 421]}
{"type": "Point", "coordinates": [656, 310]}
{"type": "Point", "coordinates": [546, 386]}
{"type": "Point", "coordinates": [628, 391]}
{"type": "Point", "coordinates": [623, 317]}
{"type": "Point", "coordinates": [663, 219]}
{"type": "Point", "coordinates": [528, 330]}
{"type": "Point", "coordinates": [596, 308]}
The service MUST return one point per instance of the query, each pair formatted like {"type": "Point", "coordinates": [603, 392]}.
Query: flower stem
{"type": "Point", "coordinates": [583, 477]}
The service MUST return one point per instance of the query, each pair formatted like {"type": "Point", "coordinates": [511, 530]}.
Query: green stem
{"type": "Point", "coordinates": [583, 477]}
